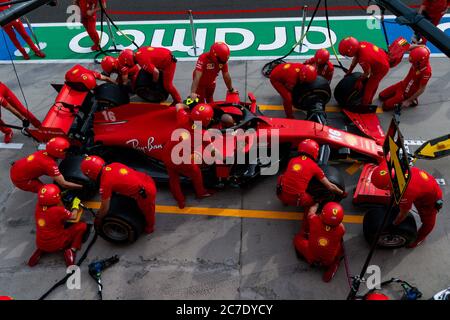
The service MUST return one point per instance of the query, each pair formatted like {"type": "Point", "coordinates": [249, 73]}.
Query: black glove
{"type": "Point", "coordinates": [25, 123]}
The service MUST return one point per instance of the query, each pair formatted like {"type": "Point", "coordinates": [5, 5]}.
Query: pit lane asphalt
{"type": "Point", "coordinates": [211, 257]}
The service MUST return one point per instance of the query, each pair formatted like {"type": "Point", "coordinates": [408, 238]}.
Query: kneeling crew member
{"type": "Point", "coordinates": [51, 236]}
{"type": "Point", "coordinates": [285, 77]}
{"type": "Point", "coordinates": [321, 61]}
{"type": "Point", "coordinates": [118, 178]}
{"type": "Point", "coordinates": [409, 89]}
{"type": "Point", "coordinates": [320, 240]}
{"type": "Point", "coordinates": [292, 184]}
{"type": "Point", "coordinates": [25, 173]}
{"type": "Point", "coordinates": [422, 191]}
{"type": "Point", "coordinates": [185, 120]}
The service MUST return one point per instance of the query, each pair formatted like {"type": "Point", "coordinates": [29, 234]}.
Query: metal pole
{"type": "Point", "coordinates": [303, 26]}
{"type": "Point", "coordinates": [111, 34]}
{"type": "Point", "coordinates": [32, 32]}
{"type": "Point", "coordinates": [191, 21]}
{"type": "Point", "coordinates": [357, 280]}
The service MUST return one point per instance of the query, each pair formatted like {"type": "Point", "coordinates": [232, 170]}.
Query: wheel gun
{"type": "Point", "coordinates": [96, 268]}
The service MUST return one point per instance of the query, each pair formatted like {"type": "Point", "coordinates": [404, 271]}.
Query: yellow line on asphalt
{"type": "Point", "coordinates": [237, 213]}
{"type": "Point", "coordinates": [270, 107]}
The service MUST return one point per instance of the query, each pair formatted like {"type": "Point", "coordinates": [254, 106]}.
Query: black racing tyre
{"type": "Point", "coordinates": [111, 95]}
{"type": "Point", "coordinates": [124, 222]}
{"type": "Point", "coordinates": [321, 194]}
{"type": "Point", "coordinates": [70, 169]}
{"type": "Point", "coordinates": [392, 237]}
{"type": "Point", "coordinates": [305, 96]}
{"type": "Point", "coordinates": [149, 90]}
{"type": "Point", "coordinates": [345, 93]}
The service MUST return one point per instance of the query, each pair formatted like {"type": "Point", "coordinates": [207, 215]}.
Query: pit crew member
{"type": "Point", "coordinates": [185, 120]}
{"type": "Point", "coordinates": [17, 26]}
{"type": "Point", "coordinates": [284, 77]}
{"type": "Point", "coordinates": [292, 184]}
{"type": "Point", "coordinates": [409, 89]}
{"type": "Point", "coordinates": [51, 236]}
{"type": "Point", "coordinates": [88, 10]}
{"type": "Point", "coordinates": [433, 10]}
{"type": "Point", "coordinates": [373, 60]}
{"type": "Point", "coordinates": [9, 101]}
{"type": "Point", "coordinates": [321, 61]}
{"type": "Point", "coordinates": [25, 173]}
{"type": "Point", "coordinates": [208, 66]}
{"type": "Point", "coordinates": [320, 239]}
{"type": "Point", "coordinates": [422, 191]}
{"type": "Point", "coordinates": [159, 62]}
{"type": "Point", "coordinates": [118, 178]}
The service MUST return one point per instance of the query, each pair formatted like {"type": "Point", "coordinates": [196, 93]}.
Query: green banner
{"type": "Point", "coordinates": [247, 38]}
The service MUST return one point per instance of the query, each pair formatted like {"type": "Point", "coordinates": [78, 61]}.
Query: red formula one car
{"type": "Point", "coordinates": [104, 122]}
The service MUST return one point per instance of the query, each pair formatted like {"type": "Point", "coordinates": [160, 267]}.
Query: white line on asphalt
{"type": "Point", "coordinates": [17, 251]}
{"type": "Point", "coordinates": [11, 145]}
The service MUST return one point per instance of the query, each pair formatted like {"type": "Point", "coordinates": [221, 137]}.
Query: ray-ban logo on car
{"type": "Point", "coordinates": [150, 146]}
{"type": "Point", "coordinates": [229, 147]}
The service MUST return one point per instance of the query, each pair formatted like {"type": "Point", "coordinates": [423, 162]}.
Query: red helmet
{"type": "Point", "coordinates": [49, 195]}
{"type": "Point", "coordinates": [419, 56]}
{"type": "Point", "coordinates": [126, 58]}
{"type": "Point", "coordinates": [202, 112]}
{"type": "Point", "coordinates": [307, 73]}
{"type": "Point", "coordinates": [91, 166]}
{"type": "Point", "coordinates": [309, 147]}
{"type": "Point", "coordinates": [220, 52]}
{"type": "Point", "coordinates": [376, 296]}
{"type": "Point", "coordinates": [380, 177]}
{"type": "Point", "coordinates": [57, 147]}
{"type": "Point", "coordinates": [322, 56]}
{"type": "Point", "coordinates": [109, 64]}
{"type": "Point", "coordinates": [349, 47]}
{"type": "Point", "coordinates": [332, 214]}
{"type": "Point", "coordinates": [88, 80]}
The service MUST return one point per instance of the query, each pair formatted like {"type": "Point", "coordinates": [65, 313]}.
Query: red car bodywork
{"type": "Point", "coordinates": [148, 126]}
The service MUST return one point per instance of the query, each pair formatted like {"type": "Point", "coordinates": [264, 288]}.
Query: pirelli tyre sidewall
{"type": "Point", "coordinates": [111, 95]}
{"type": "Point", "coordinates": [345, 93]}
{"type": "Point", "coordinates": [149, 90]}
{"type": "Point", "coordinates": [393, 236]}
{"type": "Point", "coordinates": [124, 222]}
{"type": "Point", "coordinates": [306, 95]}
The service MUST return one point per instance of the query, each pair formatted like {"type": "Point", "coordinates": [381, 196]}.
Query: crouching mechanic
{"type": "Point", "coordinates": [292, 185]}
{"type": "Point", "coordinates": [284, 77]}
{"type": "Point", "coordinates": [25, 173]}
{"type": "Point", "coordinates": [208, 66]}
{"type": "Point", "coordinates": [406, 92]}
{"type": "Point", "coordinates": [320, 239]}
{"type": "Point", "coordinates": [422, 191]}
{"type": "Point", "coordinates": [373, 60]}
{"type": "Point", "coordinates": [177, 162]}
{"type": "Point", "coordinates": [321, 61]}
{"type": "Point", "coordinates": [51, 236]}
{"type": "Point", "coordinates": [118, 178]}
{"type": "Point", "coordinates": [159, 62]}
{"type": "Point", "coordinates": [10, 102]}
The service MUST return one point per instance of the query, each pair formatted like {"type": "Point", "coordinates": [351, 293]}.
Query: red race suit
{"type": "Point", "coordinates": [25, 172]}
